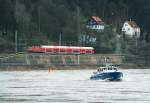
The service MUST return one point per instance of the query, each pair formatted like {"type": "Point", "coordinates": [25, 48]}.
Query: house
{"type": "Point", "coordinates": [131, 29]}
{"type": "Point", "coordinates": [95, 23]}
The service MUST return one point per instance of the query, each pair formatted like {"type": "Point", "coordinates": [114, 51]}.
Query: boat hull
{"type": "Point", "coordinates": [111, 76]}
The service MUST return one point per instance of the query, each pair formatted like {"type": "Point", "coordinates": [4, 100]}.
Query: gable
{"type": "Point", "coordinates": [95, 20]}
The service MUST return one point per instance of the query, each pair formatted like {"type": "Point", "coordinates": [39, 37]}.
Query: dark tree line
{"type": "Point", "coordinates": [42, 21]}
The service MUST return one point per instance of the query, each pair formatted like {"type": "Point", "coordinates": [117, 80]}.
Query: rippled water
{"type": "Point", "coordinates": [73, 86]}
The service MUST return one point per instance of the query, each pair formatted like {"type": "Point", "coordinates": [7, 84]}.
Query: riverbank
{"type": "Point", "coordinates": [41, 61]}
{"type": "Point", "coordinates": [52, 67]}
{"type": "Point", "coordinates": [134, 66]}
{"type": "Point", "coordinates": [42, 67]}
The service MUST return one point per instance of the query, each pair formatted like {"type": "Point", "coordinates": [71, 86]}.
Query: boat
{"type": "Point", "coordinates": [107, 72]}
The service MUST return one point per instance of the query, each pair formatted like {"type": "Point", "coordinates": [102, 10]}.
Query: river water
{"type": "Point", "coordinates": [73, 86]}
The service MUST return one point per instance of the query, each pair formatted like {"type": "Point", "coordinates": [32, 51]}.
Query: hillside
{"type": "Point", "coordinates": [42, 21]}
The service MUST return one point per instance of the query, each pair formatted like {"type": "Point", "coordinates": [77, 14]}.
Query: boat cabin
{"type": "Point", "coordinates": [110, 68]}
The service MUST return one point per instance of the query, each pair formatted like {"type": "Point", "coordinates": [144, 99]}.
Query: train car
{"type": "Point", "coordinates": [61, 49]}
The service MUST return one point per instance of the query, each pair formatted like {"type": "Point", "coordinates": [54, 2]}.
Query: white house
{"type": "Point", "coordinates": [131, 29]}
{"type": "Point", "coordinates": [95, 23]}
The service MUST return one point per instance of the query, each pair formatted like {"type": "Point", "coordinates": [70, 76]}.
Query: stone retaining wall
{"type": "Point", "coordinates": [46, 59]}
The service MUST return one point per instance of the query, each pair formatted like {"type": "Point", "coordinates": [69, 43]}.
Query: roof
{"type": "Point", "coordinates": [133, 24]}
{"type": "Point", "coordinates": [64, 47]}
{"type": "Point", "coordinates": [97, 19]}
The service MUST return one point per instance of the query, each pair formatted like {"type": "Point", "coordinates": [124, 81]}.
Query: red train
{"type": "Point", "coordinates": [61, 49]}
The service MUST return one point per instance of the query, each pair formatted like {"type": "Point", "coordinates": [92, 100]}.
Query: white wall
{"type": "Point", "coordinates": [96, 27]}
{"type": "Point", "coordinates": [130, 31]}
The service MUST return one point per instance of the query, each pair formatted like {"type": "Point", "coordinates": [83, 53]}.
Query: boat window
{"type": "Point", "coordinates": [109, 68]}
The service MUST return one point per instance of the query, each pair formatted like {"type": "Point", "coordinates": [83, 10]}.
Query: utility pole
{"type": "Point", "coordinates": [136, 44]}
{"type": "Point", "coordinates": [118, 45]}
{"type": "Point", "coordinates": [16, 41]}
{"type": "Point", "coordinates": [60, 39]}
{"type": "Point", "coordinates": [78, 26]}
{"type": "Point", "coordinates": [39, 19]}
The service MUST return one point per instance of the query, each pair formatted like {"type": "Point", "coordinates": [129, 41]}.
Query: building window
{"type": "Point", "coordinates": [96, 26]}
{"type": "Point", "coordinates": [125, 25]}
{"type": "Point", "coordinates": [123, 29]}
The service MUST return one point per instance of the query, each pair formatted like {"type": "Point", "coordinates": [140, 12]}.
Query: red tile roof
{"type": "Point", "coordinates": [96, 19]}
{"type": "Point", "coordinates": [133, 24]}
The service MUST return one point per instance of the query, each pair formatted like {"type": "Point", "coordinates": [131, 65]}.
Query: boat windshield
{"type": "Point", "coordinates": [115, 69]}
{"type": "Point", "coordinates": [109, 68]}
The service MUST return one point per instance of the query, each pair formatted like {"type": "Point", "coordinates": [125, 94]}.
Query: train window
{"type": "Point", "coordinates": [88, 51]}
{"type": "Point", "coordinates": [83, 51]}
{"type": "Point", "coordinates": [69, 50]}
{"type": "Point", "coordinates": [62, 50]}
{"type": "Point", "coordinates": [49, 50]}
{"type": "Point", "coordinates": [76, 50]}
